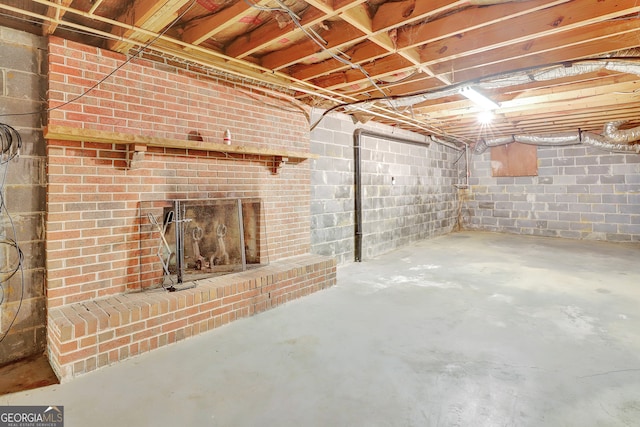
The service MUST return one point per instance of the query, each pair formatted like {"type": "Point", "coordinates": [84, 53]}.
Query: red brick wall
{"type": "Point", "coordinates": [93, 198]}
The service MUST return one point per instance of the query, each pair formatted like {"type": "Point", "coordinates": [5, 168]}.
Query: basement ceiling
{"type": "Point", "coordinates": [397, 62]}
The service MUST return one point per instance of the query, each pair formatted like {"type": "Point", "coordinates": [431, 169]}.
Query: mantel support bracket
{"type": "Point", "coordinates": [278, 162]}
{"type": "Point", "coordinates": [135, 154]}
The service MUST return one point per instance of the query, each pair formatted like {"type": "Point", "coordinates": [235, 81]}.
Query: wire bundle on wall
{"type": "Point", "coordinates": [10, 144]}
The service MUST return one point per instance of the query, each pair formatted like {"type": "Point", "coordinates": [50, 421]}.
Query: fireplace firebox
{"type": "Point", "coordinates": [182, 241]}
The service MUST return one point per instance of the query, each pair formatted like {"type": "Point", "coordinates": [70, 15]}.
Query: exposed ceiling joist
{"type": "Point", "coordinates": [151, 15]}
{"type": "Point", "coordinates": [56, 15]}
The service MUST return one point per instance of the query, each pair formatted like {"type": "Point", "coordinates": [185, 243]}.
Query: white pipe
{"type": "Point", "coordinates": [445, 143]}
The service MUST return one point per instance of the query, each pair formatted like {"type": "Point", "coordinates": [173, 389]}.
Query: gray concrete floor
{"type": "Point", "coordinates": [469, 329]}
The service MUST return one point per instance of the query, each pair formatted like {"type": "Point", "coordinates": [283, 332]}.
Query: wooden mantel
{"type": "Point", "coordinates": [140, 142]}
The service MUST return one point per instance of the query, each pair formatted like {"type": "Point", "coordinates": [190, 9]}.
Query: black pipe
{"type": "Point", "coordinates": [358, 178]}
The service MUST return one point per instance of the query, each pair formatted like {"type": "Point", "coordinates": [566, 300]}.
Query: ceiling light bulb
{"type": "Point", "coordinates": [485, 117]}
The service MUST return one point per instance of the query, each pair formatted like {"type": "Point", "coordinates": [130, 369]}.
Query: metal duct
{"type": "Point", "coordinates": [613, 139]}
{"type": "Point", "coordinates": [480, 147]}
{"type": "Point", "coordinates": [406, 101]}
{"type": "Point", "coordinates": [502, 140]}
{"type": "Point", "coordinates": [602, 142]}
{"type": "Point", "coordinates": [614, 134]}
{"type": "Point", "coordinates": [518, 78]}
{"type": "Point", "coordinates": [483, 144]}
{"type": "Point", "coordinates": [565, 138]}
{"type": "Point", "coordinates": [624, 67]}
{"type": "Point", "coordinates": [563, 71]}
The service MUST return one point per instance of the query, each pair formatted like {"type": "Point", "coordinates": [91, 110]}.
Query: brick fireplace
{"type": "Point", "coordinates": [129, 142]}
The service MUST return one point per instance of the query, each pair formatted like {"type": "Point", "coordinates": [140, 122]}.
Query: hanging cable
{"type": "Point", "coordinates": [10, 144]}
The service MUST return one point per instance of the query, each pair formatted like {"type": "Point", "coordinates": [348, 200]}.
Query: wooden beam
{"type": "Point", "coordinates": [476, 17]}
{"type": "Point", "coordinates": [358, 54]}
{"type": "Point", "coordinates": [552, 21]}
{"type": "Point", "coordinates": [395, 14]}
{"type": "Point", "coordinates": [270, 32]}
{"type": "Point", "coordinates": [152, 15]}
{"type": "Point", "coordinates": [608, 92]}
{"type": "Point", "coordinates": [205, 28]}
{"type": "Point", "coordinates": [525, 28]}
{"type": "Point", "coordinates": [339, 34]}
{"type": "Point", "coordinates": [56, 14]}
{"type": "Point", "coordinates": [66, 133]}
{"type": "Point", "coordinates": [589, 41]}
{"type": "Point", "coordinates": [96, 4]}
{"type": "Point", "coordinates": [468, 19]}
{"type": "Point", "coordinates": [386, 66]}
{"type": "Point", "coordinates": [623, 35]}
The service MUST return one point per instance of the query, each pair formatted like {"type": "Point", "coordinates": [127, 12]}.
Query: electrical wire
{"type": "Point", "coordinates": [10, 145]}
{"type": "Point", "coordinates": [462, 153]}
{"type": "Point", "coordinates": [321, 43]}
{"type": "Point", "coordinates": [115, 70]}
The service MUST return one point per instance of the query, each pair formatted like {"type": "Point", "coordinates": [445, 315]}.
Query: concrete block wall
{"type": "Point", "coordinates": [419, 203]}
{"type": "Point", "coordinates": [22, 302]}
{"type": "Point", "coordinates": [579, 193]}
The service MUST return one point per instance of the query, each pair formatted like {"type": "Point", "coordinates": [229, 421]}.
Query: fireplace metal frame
{"type": "Point", "coordinates": [169, 222]}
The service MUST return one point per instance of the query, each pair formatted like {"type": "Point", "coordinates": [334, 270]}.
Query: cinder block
{"type": "Point", "coordinates": [545, 179]}
{"type": "Point", "coordinates": [632, 189]}
{"type": "Point", "coordinates": [589, 198]}
{"type": "Point", "coordinates": [577, 189]}
{"type": "Point", "coordinates": [619, 237]}
{"type": "Point", "coordinates": [605, 228]}
{"type": "Point", "coordinates": [563, 161]}
{"type": "Point", "coordinates": [548, 171]}
{"type": "Point", "coordinates": [612, 179]}
{"type": "Point", "coordinates": [592, 217]}
{"type": "Point", "coordinates": [618, 218]}
{"type": "Point", "coordinates": [574, 151]}
{"type": "Point", "coordinates": [586, 160]}
{"type": "Point", "coordinates": [569, 216]}
{"type": "Point", "coordinates": [598, 170]}
{"type": "Point", "coordinates": [614, 198]}
{"type": "Point", "coordinates": [612, 159]}
{"type": "Point", "coordinates": [561, 207]}
{"type": "Point", "coordinates": [605, 208]}
{"type": "Point", "coordinates": [587, 179]}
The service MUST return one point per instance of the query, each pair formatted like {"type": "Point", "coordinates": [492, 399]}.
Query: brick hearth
{"type": "Point", "coordinates": [88, 335]}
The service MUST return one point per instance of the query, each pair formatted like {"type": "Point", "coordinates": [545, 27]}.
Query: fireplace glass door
{"type": "Point", "coordinates": [186, 240]}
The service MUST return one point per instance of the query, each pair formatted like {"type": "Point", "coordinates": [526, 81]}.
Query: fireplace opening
{"type": "Point", "coordinates": [185, 240]}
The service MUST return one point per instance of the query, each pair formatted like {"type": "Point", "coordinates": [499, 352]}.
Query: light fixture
{"type": "Point", "coordinates": [478, 98]}
{"type": "Point", "coordinates": [485, 117]}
